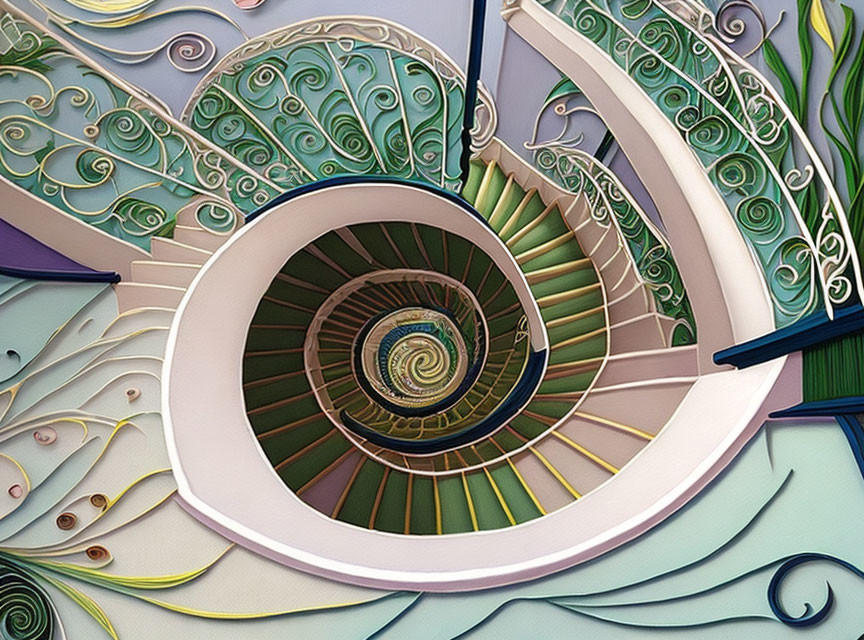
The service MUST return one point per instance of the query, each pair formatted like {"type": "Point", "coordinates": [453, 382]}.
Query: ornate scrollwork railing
{"type": "Point", "coordinates": [753, 150]}
{"type": "Point", "coordinates": [611, 205]}
{"type": "Point", "coordinates": [316, 99]}
{"type": "Point", "coordinates": [101, 151]}
{"type": "Point", "coordinates": [340, 96]}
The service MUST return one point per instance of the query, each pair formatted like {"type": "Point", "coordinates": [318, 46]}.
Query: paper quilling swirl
{"type": "Point", "coordinates": [436, 322]}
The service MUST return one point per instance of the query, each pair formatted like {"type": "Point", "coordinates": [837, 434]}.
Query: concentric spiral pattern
{"type": "Point", "coordinates": [400, 356]}
{"type": "Point", "coordinates": [415, 358]}
{"type": "Point", "coordinates": [25, 610]}
{"type": "Point", "coordinates": [399, 378]}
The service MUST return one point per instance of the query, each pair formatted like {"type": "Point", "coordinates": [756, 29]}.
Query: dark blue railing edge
{"type": "Point", "coordinates": [472, 78]}
{"type": "Point", "coordinates": [850, 405]}
{"type": "Point", "coordinates": [518, 397]}
{"type": "Point", "coordinates": [805, 333]}
{"type": "Point", "coordinates": [61, 276]}
{"type": "Point", "coordinates": [337, 181]}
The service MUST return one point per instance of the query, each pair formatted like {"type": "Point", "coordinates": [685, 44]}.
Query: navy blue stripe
{"type": "Point", "coordinates": [470, 376]}
{"type": "Point", "coordinates": [475, 57]}
{"type": "Point", "coordinates": [808, 332]}
{"type": "Point", "coordinates": [850, 405]}
{"type": "Point", "coordinates": [520, 394]}
{"type": "Point", "coordinates": [337, 181]}
{"type": "Point", "coordinates": [61, 276]}
{"type": "Point", "coordinates": [855, 435]}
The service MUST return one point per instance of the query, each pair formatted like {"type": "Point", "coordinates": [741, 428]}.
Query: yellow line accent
{"type": "Point", "coordinates": [20, 469]}
{"type": "Point", "coordinates": [548, 273]}
{"type": "Point", "coordinates": [524, 231]}
{"type": "Point", "coordinates": [502, 199]}
{"type": "Point", "coordinates": [499, 496]}
{"type": "Point", "coordinates": [593, 457]}
{"type": "Point", "coordinates": [554, 243]}
{"type": "Point", "coordinates": [407, 529]}
{"type": "Point", "coordinates": [570, 396]}
{"type": "Point", "coordinates": [471, 510]}
{"type": "Point", "coordinates": [565, 367]}
{"type": "Point", "coordinates": [564, 296]}
{"type": "Point", "coordinates": [525, 486]}
{"type": "Point", "coordinates": [584, 337]}
{"type": "Point", "coordinates": [480, 200]}
{"type": "Point", "coordinates": [438, 526]}
{"type": "Point", "coordinates": [558, 322]}
{"type": "Point", "coordinates": [555, 473]}
{"type": "Point", "coordinates": [517, 213]}
{"type": "Point", "coordinates": [615, 425]}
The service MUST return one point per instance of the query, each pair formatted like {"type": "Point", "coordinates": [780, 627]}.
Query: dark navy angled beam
{"type": "Point", "coordinates": [808, 332]}
{"type": "Point", "coordinates": [23, 256]}
{"type": "Point", "coordinates": [849, 406]}
{"type": "Point", "coordinates": [338, 181]}
{"type": "Point", "coordinates": [475, 57]}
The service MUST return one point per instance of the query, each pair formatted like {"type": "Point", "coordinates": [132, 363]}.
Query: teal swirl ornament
{"type": "Point", "coordinates": [414, 358]}
{"type": "Point", "coordinates": [25, 609]}
{"type": "Point", "coordinates": [345, 96]}
{"type": "Point", "coordinates": [215, 217]}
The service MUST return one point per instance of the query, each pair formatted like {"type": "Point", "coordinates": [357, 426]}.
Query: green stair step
{"type": "Point", "coordinates": [391, 511]}
{"type": "Point", "coordinates": [455, 513]}
{"type": "Point", "coordinates": [521, 505]}
{"type": "Point", "coordinates": [358, 505]}
{"type": "Point", "coordinates": [490, 513]}
{"type": "Point", "coordinates": [307, 466]}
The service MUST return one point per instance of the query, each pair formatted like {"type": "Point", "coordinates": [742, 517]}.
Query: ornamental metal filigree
{"type": "Point", "coordinates": [610, 204]}
{"type": "Point", "coordinates": [102, 151]}
{"type": "Point", "coordinates": [746, 138]}
{"type": "Point", "coordinates": [340, 96]}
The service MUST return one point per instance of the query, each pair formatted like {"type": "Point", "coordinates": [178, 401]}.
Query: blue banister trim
{"type": "Point", "coordinates": [61, 276]}
{"type": "Point", "coordinates": [850, 405]}
{"type": "Point", "coordinates": [475, 56]}
{"type": "Point", "coordinates": [805, 333]}
{"type": "Point", "coordinates": [512, 405]}
{"type": "Point", "coordinates": [337, 181]}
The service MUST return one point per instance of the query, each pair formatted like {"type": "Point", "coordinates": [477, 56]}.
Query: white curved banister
{"type": "Point", "coordinates": [725, 285]}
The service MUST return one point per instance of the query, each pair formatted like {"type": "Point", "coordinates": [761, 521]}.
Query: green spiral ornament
{"type": "Point", "coordinates": [25, 609]}
{"type": "Point", "coordinates": [414, 357]}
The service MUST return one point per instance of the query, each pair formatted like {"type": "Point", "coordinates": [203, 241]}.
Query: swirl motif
{"type": "Point", "coordinates": [190, 52]}
{"type": "Point", "coordinates": [336, 97]}
{"type": "Point", "coordinates": [415, 357]}
{"type": "Point", "coordinates": [741, 131]}
{"type": "Point", "coordinates": [730, 23]}
{"type": "Point", "coordinates": [139, 218]}
{"type": "Point", "coordinates": [215, 217]}
{"type": "Point", "coordinates": [810, 616]}
{"type": "Point", "coordinates": [25, 609]}
{"type": "Point", "coordinates": [103, 153]}
{"type": "Point", "coordinates": [416, 364]}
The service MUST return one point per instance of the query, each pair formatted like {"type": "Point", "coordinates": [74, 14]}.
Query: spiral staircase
{"type": "Point", "coordinates": [396, 377]}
